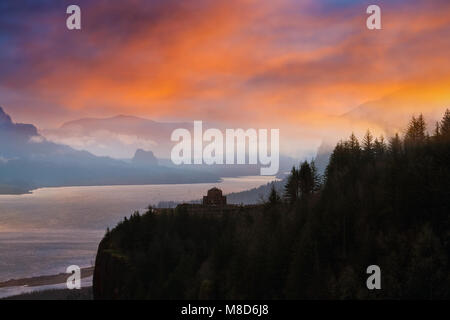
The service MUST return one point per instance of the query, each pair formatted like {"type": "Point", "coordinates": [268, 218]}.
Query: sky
{"type": "Point", "coordinates": [289, 64]}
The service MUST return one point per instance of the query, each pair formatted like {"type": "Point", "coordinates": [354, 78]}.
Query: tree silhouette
{"type": "Point", "coordinates": [379, 147]}
{"type": "Point", "coordinates": [395, 146]}
{"type": "Point", "coordinates": [317, 179]}
{"type": "Point", "coordinates": [274, 198]}
{"type": "Point", "coordinates": [445, 125]}
{"type": "Point", "coordinates": [368, 145]}
{"type": "Point", "coordinates": [416, 132]}
{"type": "Point", "coordinates": [306, 179]}
{"type": "Point", "coordinates": [291, 189]}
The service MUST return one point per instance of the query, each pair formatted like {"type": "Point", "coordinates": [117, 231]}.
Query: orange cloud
{"type": "Point", "coordinates": [244, 62]}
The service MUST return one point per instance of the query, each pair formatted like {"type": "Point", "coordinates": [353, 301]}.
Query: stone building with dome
{"type": "Point", "coordinates": [213, 203]}
{"type": "Point", "coordinates": [214, 197]}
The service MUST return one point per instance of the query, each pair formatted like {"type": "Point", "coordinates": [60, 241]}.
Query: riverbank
{"type": "Point", "coordinates": [13, 190]}
{"type": "Point", "coordinates": [55, 294]}
{"type": "Point", "coordinates": [45, 280]}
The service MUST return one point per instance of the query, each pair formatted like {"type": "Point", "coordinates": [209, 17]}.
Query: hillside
{"type": "Point", "coordinates": [256, 195]}
{"type": "Point", "coordinates": [380, 203]}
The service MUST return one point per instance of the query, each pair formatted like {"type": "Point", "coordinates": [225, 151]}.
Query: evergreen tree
{"type": "Point", "coordinates": [437, 130]}
{"type": "Point", "coordinates": [353, 144]}
{"type": "Point", "coordinates": [368, 144]}
{"type": "Point", "coordinates": [291, 189]}
{"type": "Point", "coordinates": [445, 125]}
{"type": "Point", "coordinates": [306, 179]}
{"type": "Point", "coordinates": [416, 132]}
{"type": "Point", "coordinates": [274, 198]}
{"type": "Point", "coordinates": [353, 150]}
{"type": "Point", "coordinates": [379, 146]}
{"type": "Point", "coordinates": [317, 179]}
{"type": "Point", "coordinates": [395, 146]}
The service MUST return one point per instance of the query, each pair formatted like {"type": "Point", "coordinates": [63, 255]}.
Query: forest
{"type": "Point", "coordinates": [382, 202]}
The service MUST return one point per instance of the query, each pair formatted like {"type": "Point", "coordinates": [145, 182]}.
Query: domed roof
{"type": "Point", "coordinates": [214, 191]}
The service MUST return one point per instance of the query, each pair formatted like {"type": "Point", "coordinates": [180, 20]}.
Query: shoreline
{"type": "Point", "coordinates": [17, 191]}
{"type": "Point", "coordinates": [44, 280]}
{"type": "Point", "coordinates": [21, 192]}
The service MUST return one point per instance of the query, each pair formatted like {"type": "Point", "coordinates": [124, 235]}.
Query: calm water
{"type": "Point", "coordinates": [46, 231]}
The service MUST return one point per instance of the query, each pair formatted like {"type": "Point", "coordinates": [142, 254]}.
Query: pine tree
{"type": "Point", "coordinates": [317, 179]}
{"type": "Point", "coordinates": [291, 189]}
{"type": "Point", "coordinates": [437, 130]}
{"type": "Point", "coordinates": [306, 179]}
{"type": "Point", "coordinates": [421, 126]}
{"type": "Point", "coordinates": [445, 125]}
{"type": "Point", "coordinates": [395, 145]}
{"type": "Point", "coordinates": [368, 142]}
{"type": "Point", "coordinates": [416, 132]}
{"type": "Point", "coordinates": [379, 146]}
{"type": "Point", "coordinates": [368, 145]}
{"type": "Point", "coordinates": [274, 198]}
{"type": "Point", "coordinates": [352, 149]}
{"type": "Point", "coordinates": [353, 143]}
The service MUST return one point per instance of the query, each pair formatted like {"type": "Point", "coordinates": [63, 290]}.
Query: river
{"type": "Point", "coordinates": [44, 232]}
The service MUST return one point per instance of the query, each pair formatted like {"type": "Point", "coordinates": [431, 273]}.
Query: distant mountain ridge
{"type": "Point", "coordinates": [392, 112]}
{"type": "Point", "coordinates": [29, 161]}
{"type": "Point", "coordinates": [388, 115]}
{"type": "Point", "coordinates": [119, 136]}
{"type": "Point", "coordinates": [7, 126]}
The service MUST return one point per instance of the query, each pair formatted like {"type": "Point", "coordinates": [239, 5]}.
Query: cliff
{"type": "Point", "coordinates": [384, 205]}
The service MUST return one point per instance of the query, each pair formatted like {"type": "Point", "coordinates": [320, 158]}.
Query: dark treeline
{"type": "Point", "coordinates": [379, 202]}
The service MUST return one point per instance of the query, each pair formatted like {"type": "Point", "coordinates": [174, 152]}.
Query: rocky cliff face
{"type": "Point", "coordinates": [111, 274]}
{"type": "Point", "coordinates": [4, 118]}
{"type": "Point", "coordinates": [144, 158]}
{"type": "Point", "coordinates": [8, 127]}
